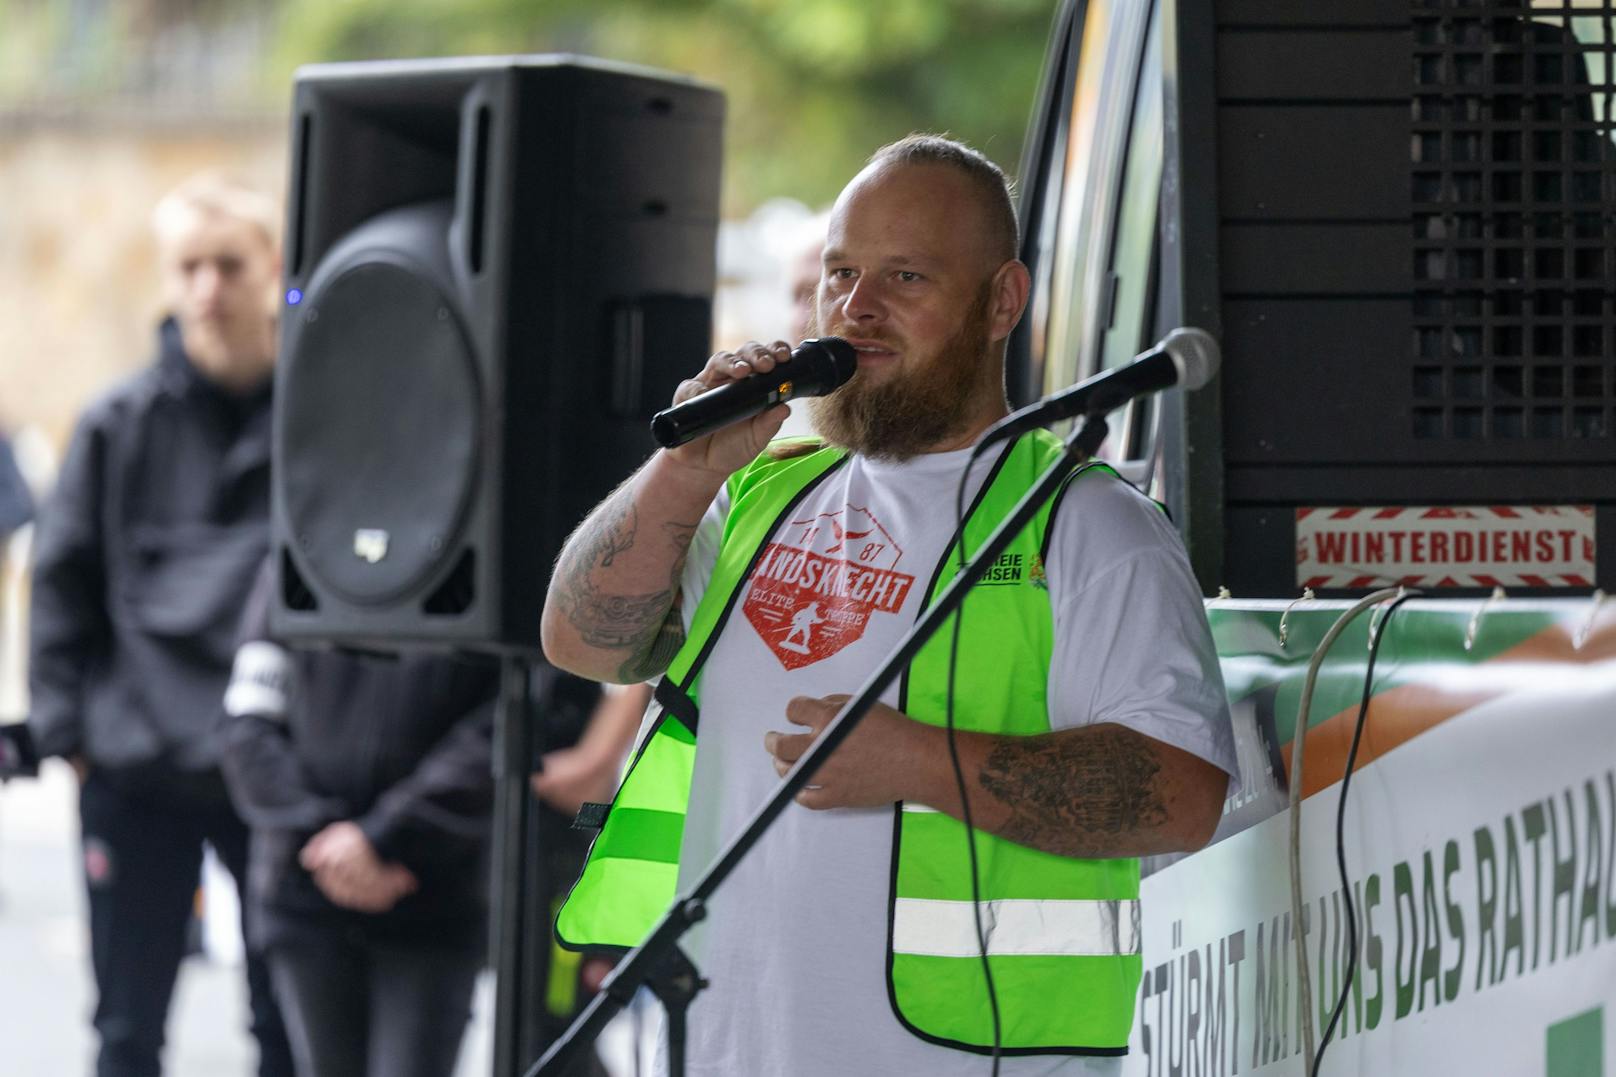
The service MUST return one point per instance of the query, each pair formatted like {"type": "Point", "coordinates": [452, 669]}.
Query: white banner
{"type": "Point", "coordinates": [1482, 855]}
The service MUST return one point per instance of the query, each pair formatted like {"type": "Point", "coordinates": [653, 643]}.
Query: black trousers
{"type": "Point", "coordinates": [142, 860]}
{"type": "Point", "coordinates": [358, 1008]}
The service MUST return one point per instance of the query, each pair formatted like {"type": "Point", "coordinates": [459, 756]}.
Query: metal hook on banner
{"type": "Point", "coordinates": [1587, 625]}
{"type": "Point", "coordinates": [1224, 594]}
{"type": "Point", "coordinates": [1475, 618]}
{"type": "Point", "coordinates": [1284, 618]}
{"type": "Point", "coordinates": [1381, 607]}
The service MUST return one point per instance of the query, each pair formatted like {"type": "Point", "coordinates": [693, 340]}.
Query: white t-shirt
{"type": "Point", "coordinates": [795, 941]}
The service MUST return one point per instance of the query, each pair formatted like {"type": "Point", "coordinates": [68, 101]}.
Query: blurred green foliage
{"type": "Point", "coordinates": [813, 85]}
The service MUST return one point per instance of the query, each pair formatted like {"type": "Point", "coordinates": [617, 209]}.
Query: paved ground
{"type": "Point", "coordinates": [44, 963]}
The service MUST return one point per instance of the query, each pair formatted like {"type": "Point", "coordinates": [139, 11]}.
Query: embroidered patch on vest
{"type": "Point", "coordinates": [814, 592]}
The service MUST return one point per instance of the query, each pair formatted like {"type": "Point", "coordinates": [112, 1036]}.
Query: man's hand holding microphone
{"type": "Point", "coordinates": [607, 613]}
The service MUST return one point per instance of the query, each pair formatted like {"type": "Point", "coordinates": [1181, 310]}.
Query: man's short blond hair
{"type": "Point", "coordinates": [993, 187]}
{"type": "Point", "coordinates": [216, 193]}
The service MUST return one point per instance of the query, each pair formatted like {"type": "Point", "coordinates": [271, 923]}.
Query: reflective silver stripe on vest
{"type": "Point", "coordinates": [1024, 926]}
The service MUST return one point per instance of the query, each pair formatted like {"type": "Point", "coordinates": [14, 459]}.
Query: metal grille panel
{"type": "Point", "coordinates": [1514, 200]}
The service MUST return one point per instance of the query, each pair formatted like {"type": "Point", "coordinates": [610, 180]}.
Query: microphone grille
{"type": "Point", "coordinates": [840, 357]}
{"type": "Point", "coordinates": [1196, 355]}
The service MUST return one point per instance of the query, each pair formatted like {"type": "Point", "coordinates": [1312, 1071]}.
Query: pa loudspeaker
{"type": "Point", "coordinates": [497, 270]}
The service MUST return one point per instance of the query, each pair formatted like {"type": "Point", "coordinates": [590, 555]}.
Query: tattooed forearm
{"type": "Point", "coordinates": [1077, 793]}
{"type": "Point", "coordinates": [614, 622]}
{"type": "Point", "coordinates": [679, 536]}
{"type": "Point", "coordinates": [669, 638]}
{"type": "Point", "coordinates": [615, 535]}
{"type": "Point", "coordinates": [607, 620]}
{"type": "Point", "coordinates": [599, 540]}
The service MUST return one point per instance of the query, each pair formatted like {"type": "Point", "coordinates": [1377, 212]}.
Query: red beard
{"type": "Point", "coordinates": [918, 409]}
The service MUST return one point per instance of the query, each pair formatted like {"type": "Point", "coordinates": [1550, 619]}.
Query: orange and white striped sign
{"type": "Point", "coordinates": [1446, 546]}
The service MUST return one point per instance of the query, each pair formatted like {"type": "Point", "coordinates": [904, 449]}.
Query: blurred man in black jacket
{"type": "Point", "coordinates": [368, 784]}
{"type": "Point", "coordinates": [144, 554]}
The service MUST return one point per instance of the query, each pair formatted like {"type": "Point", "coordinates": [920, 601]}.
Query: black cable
{"type": "Point", "coordinates": [959, 776]}
{"type": "Point", "coordinates": [1341, 828]}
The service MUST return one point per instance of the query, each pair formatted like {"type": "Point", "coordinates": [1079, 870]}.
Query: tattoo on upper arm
{"type": "Point", "coordinates": [614, 622]}
{"type": "Point", "coordinates": [680, 536]}
{"type": "Point", "coordinates": [1076, 795]}
{"type": "Point", "coordinates": [614, 537]}
{"type": "Point", "coordinates": [669, 638]}
{"type": "Point", "coordinates": [646, 624]}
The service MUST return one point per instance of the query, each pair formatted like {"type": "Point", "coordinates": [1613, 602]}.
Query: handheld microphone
{"type": "Point", "coordinates": [1186, 358]}
{"type": "Point", "coordinates": [818, 366]}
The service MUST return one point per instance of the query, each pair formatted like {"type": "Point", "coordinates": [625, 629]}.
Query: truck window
{"type": "Point", "coordinates": [1132, 276]}
{"type": "Point", "coordinates": [1095, 185]}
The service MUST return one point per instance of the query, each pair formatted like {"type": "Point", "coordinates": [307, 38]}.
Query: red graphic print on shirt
{"type": "Point", "coordinates": [814, 592]}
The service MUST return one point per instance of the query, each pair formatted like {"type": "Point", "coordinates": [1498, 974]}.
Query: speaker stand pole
{"type": "Point", "coordinates": [509, 925]}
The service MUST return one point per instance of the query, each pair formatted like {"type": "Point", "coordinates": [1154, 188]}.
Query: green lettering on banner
{"type": "Point", "coordinates": [1514, 917]}
{"type": "Point", "coordinates": [1215, 1009]}
{"type": "Point", "coordinates": [1237, 954]}
{"type": "Point", "coordinates": [1450, 865]}
{"type": "Point", "coordinates": [1564, 877]}
{"type": "Point", "coordinates": [1403, 895]}
{"type": "Point", "coordinates": [1572, 838]}
{"type": "Point", "coordinates": [1347, 955]}
{"type": "Point", "coordinates": [1175, 1021]}
{"type": "Point", "coordinates": [1430, 937]}
{"type": "Point", "coordinates": [1146, 1029]}
{"type": "Point", "coordinates": [1486, 906]}
{"type": "Point", "coordinates": [1610, 858]}
{"type": "Point", "coordinates": [1193, 1010]}
{"type": "Point", "coordinates": [1372, 954]}
{"type": "Point", "coordinates": [1576, 1046]}
{"type": "Point", "coordinates": [1261, 1050]}
{"type": "Point", "coordinates": [1593, 872]}
{"type": "Point", "coordinates": [1272, 1039]}
{"type": "Point", "coordinates": [1329, 932]}
{"type": "Point", "coordinates": [1533, 825]}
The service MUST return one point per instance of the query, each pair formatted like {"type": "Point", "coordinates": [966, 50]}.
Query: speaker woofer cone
{"type": "Point", "coordinates": [375, 496]}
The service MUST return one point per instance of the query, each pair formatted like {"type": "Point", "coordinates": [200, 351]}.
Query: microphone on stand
{"type": "Point", "coordinates": [818, 366]}
{"type": "Point", "coordinates": [1186, 358]}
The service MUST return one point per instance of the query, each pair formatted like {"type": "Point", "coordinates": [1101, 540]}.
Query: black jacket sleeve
{"type": "Point", "coordinates": [445, 803]}
{"type": "Point", "coordinates": [69, 627]}
{"type": "Point", "coordinates": [268, 783]}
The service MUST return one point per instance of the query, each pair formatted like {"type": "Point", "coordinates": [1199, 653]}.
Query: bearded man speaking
{"type": "Point", "coordinates": [764, 582]}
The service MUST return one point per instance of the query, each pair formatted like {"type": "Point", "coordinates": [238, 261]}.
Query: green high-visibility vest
{"type": "Point", "coordinates": [1062, 934]}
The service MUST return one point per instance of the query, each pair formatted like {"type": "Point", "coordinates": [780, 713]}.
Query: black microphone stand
{"type": "Point", "coordinates": [658, 962]}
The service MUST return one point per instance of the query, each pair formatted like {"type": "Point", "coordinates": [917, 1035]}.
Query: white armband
{"type": "Point", "coordinates": [260, 682]}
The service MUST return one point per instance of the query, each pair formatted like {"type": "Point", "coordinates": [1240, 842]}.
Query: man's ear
{"type": "Point", "coordinates": [1010, 287]}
